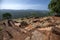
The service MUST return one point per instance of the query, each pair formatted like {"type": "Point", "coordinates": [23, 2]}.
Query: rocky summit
{"type": "Point", "coordinates": [43, 28]}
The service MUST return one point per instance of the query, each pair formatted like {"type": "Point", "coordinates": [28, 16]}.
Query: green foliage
{"type": "Point", "coordinates": [50, 14]}
{"type": "Point", "coordinates": [54, 6]}
{"type": "Point", "coordinates": [0, 28]}
{"type": "Point", "coordinates": [7, 16]}
{"type": "Point", "coordinates": [23, 24]}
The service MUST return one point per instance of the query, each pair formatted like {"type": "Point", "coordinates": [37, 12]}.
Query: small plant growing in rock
{"type": "Point", "coordinates": [27, 17]}
{"type": "Point", "coordinates": [0, 28]}
{"type": "Point", "coordinates": [36, 17]}
{"type": "Point", "coordinates": [22, 18]}
{"type": "Point", "coordinates": [23, 24]}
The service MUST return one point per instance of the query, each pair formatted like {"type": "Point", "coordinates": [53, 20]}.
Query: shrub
{"type": "Point", "coordinates": [0, 28]}
{"type": "Point", "coordinates": [6, 16]}
{"type": "Point", "coordinates": [23, 24]}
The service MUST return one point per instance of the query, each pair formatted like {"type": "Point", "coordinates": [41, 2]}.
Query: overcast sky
{"type": "Point", "coordinates": [24, 4]}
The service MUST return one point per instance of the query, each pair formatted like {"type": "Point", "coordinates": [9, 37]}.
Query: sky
{"type": "Point", "coordinates": [24, 4]}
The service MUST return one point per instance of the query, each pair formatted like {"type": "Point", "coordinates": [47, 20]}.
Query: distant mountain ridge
{"type": "Point", "coordinates": [23, 13]}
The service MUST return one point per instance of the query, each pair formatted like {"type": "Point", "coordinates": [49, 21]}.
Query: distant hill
{"type": "Point", "coordinates": [24, 13]}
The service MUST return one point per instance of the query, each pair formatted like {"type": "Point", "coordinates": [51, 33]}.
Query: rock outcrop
{"type": "Point", "coordinates": [47, 28]}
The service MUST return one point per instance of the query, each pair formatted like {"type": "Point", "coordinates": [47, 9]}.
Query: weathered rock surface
{"type": "Point", "coordinates": [47, 28]}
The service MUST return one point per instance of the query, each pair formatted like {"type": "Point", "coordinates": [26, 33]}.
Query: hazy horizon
{"type": "Point", "coordinates": [24, 4]}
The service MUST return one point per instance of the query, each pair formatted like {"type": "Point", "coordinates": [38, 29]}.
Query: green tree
{"type": "Point", "coordinates": [7, 16]}
{"type": "Point", "coordinates": [54, 6]}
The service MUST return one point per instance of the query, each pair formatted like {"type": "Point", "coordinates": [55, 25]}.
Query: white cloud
{"type": "Point", "coordinates": [14, 1]}
{"type": "Point", "coordinates": [20, 6]}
